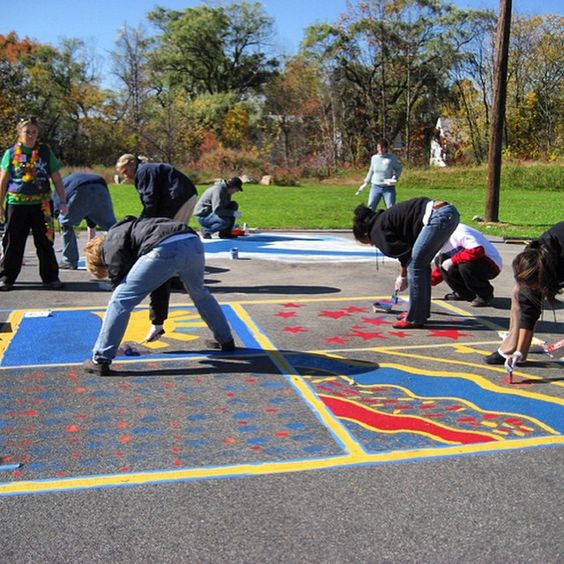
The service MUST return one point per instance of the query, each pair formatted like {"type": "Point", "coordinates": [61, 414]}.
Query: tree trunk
{"type": "Point", "coordinates": [498, 110]}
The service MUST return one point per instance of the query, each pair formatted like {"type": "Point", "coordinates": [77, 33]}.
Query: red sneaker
{"type": "Point", "coordinates": [402, 315]}
{"type": "Point", "coordinates": [404, 324]}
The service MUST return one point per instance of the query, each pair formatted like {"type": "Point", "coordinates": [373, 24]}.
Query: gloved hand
{"type": "Point", "coordinates": [401, 283]}
{"type": "Point", "coordinates": [447, 264]}
{"type": "Point", "coordinates": [360, 189]}
{"type": "Point", "coordinates": [237, 214]}
{"type": "Point", "coordinates": [155, 333]}
{"type": "Point", "coordinates": [511, 361]}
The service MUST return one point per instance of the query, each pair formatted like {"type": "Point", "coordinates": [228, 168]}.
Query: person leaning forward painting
{"type": "Point", "coordinates": [25, 173]}
{"type": "Point", "coordinates": [412, 232]}
{"type": "Point", "coordinates": [140, 256]}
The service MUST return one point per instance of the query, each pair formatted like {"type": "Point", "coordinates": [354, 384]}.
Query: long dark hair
{"type": "Point", "coordinates": [362, 222]}
{"type": "Point", "coordinates": [535, 269]}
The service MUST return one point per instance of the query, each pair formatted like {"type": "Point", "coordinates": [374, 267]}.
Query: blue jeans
{"type": "Point", "coordinates": [89, 200]}
{"type": "Point", "coordinates": [213, 223]}
{"type": "Point", "coordinates": [377, 192]}
{"type": "Point", "coordinates": [442, 223]}
{"type": "Point", "coordinates": [184, 258]}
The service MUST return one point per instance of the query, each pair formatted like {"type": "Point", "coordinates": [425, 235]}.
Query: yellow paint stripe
{"type": "Point", "coordinates": [310, 397]}
{"type": "Point", "coordinates": [14, 320]}
{"type": "Point", "coordinates": [141, 478]}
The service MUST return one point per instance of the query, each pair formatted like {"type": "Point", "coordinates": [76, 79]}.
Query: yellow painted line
{"type": "Point", "coordinates": [14, 320]}
{"type": "Point", "coordinates": [328, 419]}
{"type": "Point", "coordinates": [486, 322]}
{"type": "Point", "coordinates": [142, 478]}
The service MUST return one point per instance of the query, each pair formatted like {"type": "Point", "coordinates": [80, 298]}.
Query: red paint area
{"type": "Point", "coordinates": [400, 423]}
{"type": "Point", "coordinates": [453, 334]}
{"type": "Point", "coordinates": [334, 314]}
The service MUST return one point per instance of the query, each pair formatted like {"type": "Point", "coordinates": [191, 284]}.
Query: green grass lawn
{"type": "Point", "coordinates": [531, 199]}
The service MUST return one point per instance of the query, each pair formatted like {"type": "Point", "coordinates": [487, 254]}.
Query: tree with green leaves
{"type": "Point", "coordinates": [211, 50]}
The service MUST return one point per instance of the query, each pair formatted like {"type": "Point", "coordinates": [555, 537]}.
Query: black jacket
{"type": "Point", "coordinates": [395, 230]}
{"type": "Point", "coordinates": [163, 189]}
{"type": "Point", "coordinates": [132, 238]}
{"type": "Point", "coordinates": [530, 302]}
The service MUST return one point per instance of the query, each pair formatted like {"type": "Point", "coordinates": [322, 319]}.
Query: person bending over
{"type": "Point", "coordinates": [412, 232]}
{"type": "Point", "coordinates": [88, 198]}
{"type": "Point", "coordinates": [164, 191]}
{"type": "Point", "coordinates": [539, 274]}
{"type": "Point", "coordinates": [140, 256]}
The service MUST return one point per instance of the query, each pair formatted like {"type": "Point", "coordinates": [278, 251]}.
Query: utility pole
{"type": "Point", "coordinates": [498, 110]}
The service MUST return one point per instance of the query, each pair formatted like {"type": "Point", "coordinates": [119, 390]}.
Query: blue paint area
{"type": "Point", "coordinates": [63, 336]}
{"type": "Point", "coordinates": [268, 244]}
{"type": "Point", "coordinates": [551, 414]}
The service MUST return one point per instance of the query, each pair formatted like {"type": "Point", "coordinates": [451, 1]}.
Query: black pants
{"type": "Point", "coordinates": [471, 279]}
{"type": "Point", "coordinates": [19, 220]}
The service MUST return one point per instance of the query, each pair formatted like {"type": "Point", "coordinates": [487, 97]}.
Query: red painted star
{"type": "Point", "coordinates": [338, 340]}
{"type": "Point", "coordinates": [366, 336]}
{"type": "Point", "coordinates": [285, 314]}
{"type": "Point", "coordinates": [334, 314]}
{"type": "Point", "coordinates": [292, 305]}
{"type": "Point", "coordinates": [400, 334]}
{"type": "Point", "coordinates": [297, 329]}
{"type": "Point", "coordinates": [354, 309]}
{"type": "Point", "coordinates": [376, 321]}
{"type": "Point", "coordinates": [448, 333]}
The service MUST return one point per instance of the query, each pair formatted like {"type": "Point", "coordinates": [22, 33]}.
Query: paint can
{"type": "Point", "coordinates": [234, 253]}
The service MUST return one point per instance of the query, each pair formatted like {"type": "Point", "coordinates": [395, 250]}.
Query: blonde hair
{"type": "Point", "coordinates": [124, 160]}
{"type": "Point", "coordinates": [95, 264]}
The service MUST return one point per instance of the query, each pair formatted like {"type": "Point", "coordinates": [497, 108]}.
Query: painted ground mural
{"type": "Point", "coordinates": [316, 384]}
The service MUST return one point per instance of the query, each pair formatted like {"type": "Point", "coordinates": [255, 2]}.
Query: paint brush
{"type": "Point", "coordinates": [386, 306]}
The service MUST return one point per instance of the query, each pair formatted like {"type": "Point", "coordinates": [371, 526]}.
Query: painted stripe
{"type": "Point", "coordinates": [188, 474]}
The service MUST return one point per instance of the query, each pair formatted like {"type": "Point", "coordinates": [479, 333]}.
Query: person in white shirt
{"type": "Point", "coordinates": [384, 172]}
{"type": "Point", "coordinates": [467, 262]}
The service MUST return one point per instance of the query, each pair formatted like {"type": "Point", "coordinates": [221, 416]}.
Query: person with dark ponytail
{"type": "Point", "coordinates": [539, 276]}
{"type": "Point", "coordinates": [412, 232]}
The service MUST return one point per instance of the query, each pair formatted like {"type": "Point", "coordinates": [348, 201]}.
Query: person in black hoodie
{"type": "Point", "coordinates": [140, 256]}
{"type": "Point", "coordinates": [539, 275]}
{"type": "Point", "coordinates": [412, 232]}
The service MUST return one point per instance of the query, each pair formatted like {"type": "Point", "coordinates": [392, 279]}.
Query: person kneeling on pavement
{"type": "Point", "coordinates": [467, 262]}
{"type": "Point", "coordinates": [140, 256]}
{"type": "Point", "coordinates": [216, 211]}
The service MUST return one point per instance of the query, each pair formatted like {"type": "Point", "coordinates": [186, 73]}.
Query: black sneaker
{"type": "Point", "coordinates": [456, 297]}
{"type": "Point", "coordinates": [494, 358]}
{"type": "Point", "coordinates": [98, 368]}
{"type": "Point", "coordinates": [229, 346]}
{"type": "Point", "coordinates": [55, 285]}
{"type": "Point", "coordinates": [5, 286]}
{"type": "Point", "coordinates": [481, 302]}
{"type": "Point", "coordinates": [206, 236]}
{"type": "Point", "coordinates": [67, 266]}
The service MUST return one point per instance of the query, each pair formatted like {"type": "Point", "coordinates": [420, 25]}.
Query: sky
{"type": "Point", "coordinates": [97, 22]}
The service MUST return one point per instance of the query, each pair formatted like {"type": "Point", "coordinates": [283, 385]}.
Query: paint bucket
{"type": "Point", "coordinates": [234, 253]}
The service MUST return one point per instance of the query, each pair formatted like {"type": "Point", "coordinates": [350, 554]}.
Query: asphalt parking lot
{"type": "Point", "coordinates": [327, 436]}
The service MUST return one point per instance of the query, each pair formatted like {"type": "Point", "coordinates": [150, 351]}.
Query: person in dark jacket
{"type": "Point", "coordinates": [140, 256]}
{"type": "Point", "coordinates": [412, 232]}
{"type": "Point", "coordinates": [539, 275]}
{"type": "Point", "coordinates": [88, 198]}
{"type": "Point", "coordinates": [216, 211]}
{"type": "Point", "coordinates": [164, 191]}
